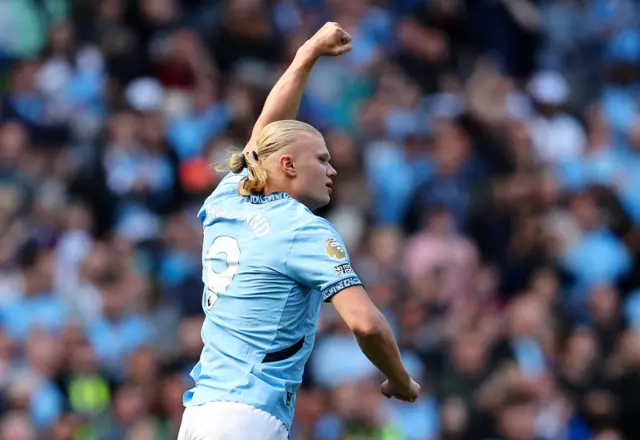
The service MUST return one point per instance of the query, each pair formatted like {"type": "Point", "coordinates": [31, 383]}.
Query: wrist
{"type": "Point", "coordinates": [306, 56]}
{"type": "Point", "coordinates": [404, 380]}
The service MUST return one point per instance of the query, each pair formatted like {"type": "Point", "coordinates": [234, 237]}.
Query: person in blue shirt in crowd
{"type": "Point", "coordinates": [268, 263]}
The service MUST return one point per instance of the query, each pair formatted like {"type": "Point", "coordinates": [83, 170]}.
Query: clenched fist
{"type": "Point", "coordinates": [407, 392]}
{"type": "Point", "coordinates": [330, 40]}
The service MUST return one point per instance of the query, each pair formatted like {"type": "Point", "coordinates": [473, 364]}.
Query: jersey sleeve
{"type": "Point", "coordinates": [319, 260]}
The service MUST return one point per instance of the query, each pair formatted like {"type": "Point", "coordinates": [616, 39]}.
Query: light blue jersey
{"type": "Point", "coordinates": [268, 263]}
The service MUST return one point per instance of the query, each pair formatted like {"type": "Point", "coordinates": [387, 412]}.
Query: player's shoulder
{"type": "Point", "coordinates": [320, 234]}
{"type": "Point", "coordinates": [295, 215]}
{"type": "Point", "coordinates": [229, 183]}
{"type": "Point", "coordinates": [314, 223]}
{"type": "Point", "coordinates": [225, 192]}
{"type": "Point", "coordinates": [296, 223]}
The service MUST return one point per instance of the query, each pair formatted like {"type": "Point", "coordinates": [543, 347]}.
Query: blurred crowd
{"type": "Point", "coordinates": [488, 154]}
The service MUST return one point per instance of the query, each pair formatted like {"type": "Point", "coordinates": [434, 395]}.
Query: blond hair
{"type": "Point", "coordinates": [272, 138]}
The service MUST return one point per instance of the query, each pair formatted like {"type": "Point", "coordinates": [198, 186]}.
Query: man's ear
{"type": "Point", "coordinates": [287, 166]}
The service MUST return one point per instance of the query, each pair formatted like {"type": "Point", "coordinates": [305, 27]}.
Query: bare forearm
{"type": "Point", "coordinates": [381, 349]}
{"type": "Point", "coordinates": [284, 99]}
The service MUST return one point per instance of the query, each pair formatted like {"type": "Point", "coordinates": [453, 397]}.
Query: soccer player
{"type": "Point", "coordinates": [268, 264]}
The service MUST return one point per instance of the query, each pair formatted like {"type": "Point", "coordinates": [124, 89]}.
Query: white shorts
{"type": "Point", "coordinates": [230, 421]}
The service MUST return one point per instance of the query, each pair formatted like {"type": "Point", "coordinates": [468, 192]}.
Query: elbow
{"type": "Point", "coordinates": [368, 326]}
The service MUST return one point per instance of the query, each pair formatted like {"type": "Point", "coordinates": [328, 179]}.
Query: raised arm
{"type": "Point", "coordinates": [284, 99]}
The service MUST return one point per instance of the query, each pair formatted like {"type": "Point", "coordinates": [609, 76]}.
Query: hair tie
{"type": "Point", "coordinates": [255, 155]}
{"type": "Point", "coordinates": [244, 162]}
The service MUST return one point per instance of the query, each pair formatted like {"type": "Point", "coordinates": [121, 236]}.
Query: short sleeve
{"type": "Point", "coordinates": [318, 259]}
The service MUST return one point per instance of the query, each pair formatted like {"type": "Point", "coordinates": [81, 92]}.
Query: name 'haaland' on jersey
{"type": "Point", "coordinates": [256, 221]}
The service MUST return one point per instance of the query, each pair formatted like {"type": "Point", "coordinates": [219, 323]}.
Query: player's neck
{"type": "Point", "coordinates": [277, 187]}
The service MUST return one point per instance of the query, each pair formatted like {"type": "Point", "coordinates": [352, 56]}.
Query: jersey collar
{"type": "Point", "coordinates": [259, 199]}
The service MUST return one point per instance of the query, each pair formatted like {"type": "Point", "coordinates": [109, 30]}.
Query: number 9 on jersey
{"type": "Point", "coordinates": [218, 282]}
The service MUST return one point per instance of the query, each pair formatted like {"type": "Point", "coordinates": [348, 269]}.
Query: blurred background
{"type": "Point", "coordinates": [489, 193]}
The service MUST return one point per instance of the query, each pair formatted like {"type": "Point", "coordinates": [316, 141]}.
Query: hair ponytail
{"type": "Point", "coordinates": [256, 178]}
{"type": "Point", "coordinates": [236, 163]}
